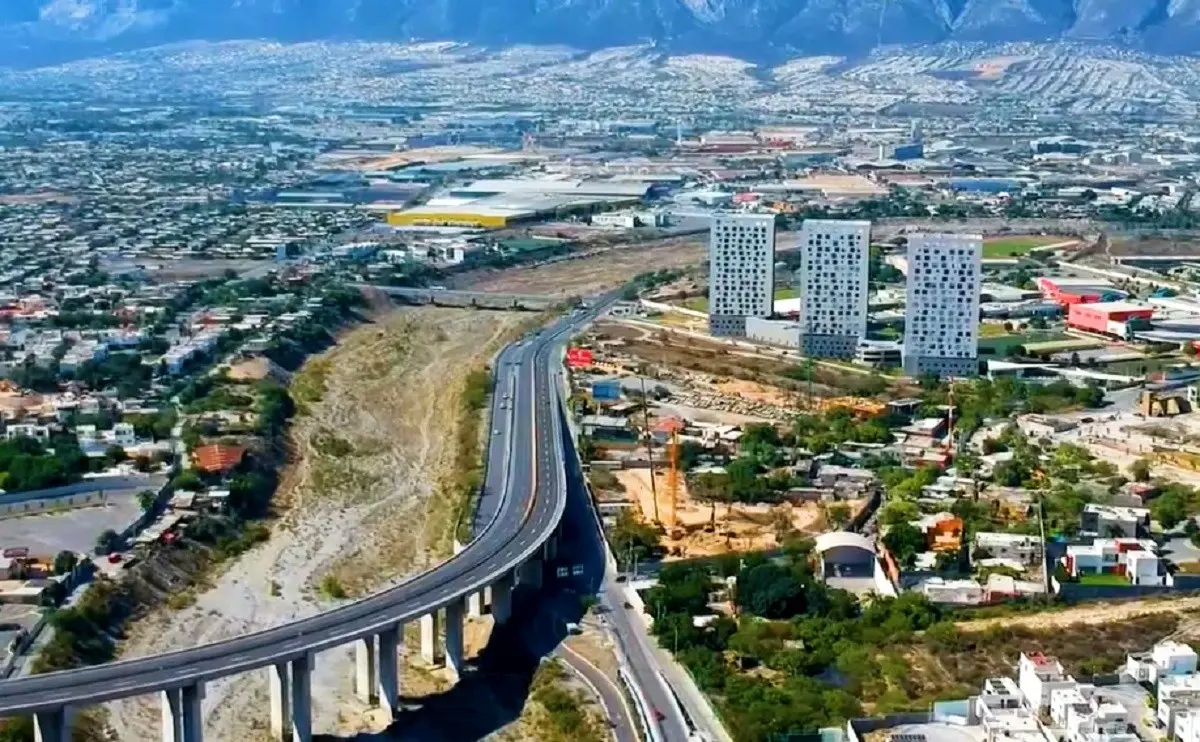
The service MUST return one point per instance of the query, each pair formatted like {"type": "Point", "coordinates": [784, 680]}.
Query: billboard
{"type": "Point", "coordinates": [579, 357]}
{"type": "Point", "coordinates": [606, 391]}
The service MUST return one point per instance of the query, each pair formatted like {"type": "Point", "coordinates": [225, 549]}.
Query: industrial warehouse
{"type": "Point", "coordinates": [496, 204]}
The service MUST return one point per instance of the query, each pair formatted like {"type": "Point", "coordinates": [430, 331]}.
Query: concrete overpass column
{"type": "Point", "coordinates": [279, 681]}
{"type": "Point", "coordinates": [502, 598]}
{"type": "Point", "coordinates": [52, 726]}
{"type": "Point", "coordinates": [366, 670]}
{"type": "Point", "coordinates": [550, 548]}
{"type": "Point", "coordinates": [531, 573]}
{"type": "Point", "coordinates": [475, 604]}
{"type": "Point", "coordinates": [454, 637]}
{"type": "Point", "coordinates": [389, 668]}
{"type": "Point", "coordinates": [172, 715]}
{"type": "Point", "coordinates": [429, 637]}
{"type": "Point", "coordinates": [302, 698]}
{"type": "Point", "coordinates": [190, 701]}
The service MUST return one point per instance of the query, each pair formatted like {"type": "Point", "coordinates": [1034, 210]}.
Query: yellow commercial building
{"type": "Point", "coordinates": [420, 217]}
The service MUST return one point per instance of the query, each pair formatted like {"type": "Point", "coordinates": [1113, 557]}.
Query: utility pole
{"type": "Point", "coordinates": [649, 446]}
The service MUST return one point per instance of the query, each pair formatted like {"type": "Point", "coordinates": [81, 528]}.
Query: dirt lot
{"type": "Point", "coordinates": [679, 352]}
{"type": "Point", "coordinates": [740, 528]}
{"type": "Point", "coordinates": [375, 436]}
{"type": "Point", "coordinates": [593, 273]}
{"type": "Point", "coordinates": [1153, 245]}
{"type": "Point", "coordinates": [924, 672]}
{"type": "Point", "coordinates": [1088, 614]}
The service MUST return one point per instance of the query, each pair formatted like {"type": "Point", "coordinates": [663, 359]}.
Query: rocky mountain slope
{"type": "Point", "coordinates": [750, 28]}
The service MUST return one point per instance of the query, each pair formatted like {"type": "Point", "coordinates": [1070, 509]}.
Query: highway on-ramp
{"type": "Point", "coordinates": [523, 503]}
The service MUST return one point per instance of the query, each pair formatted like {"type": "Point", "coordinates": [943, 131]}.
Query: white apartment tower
{"type": "Point", "coordinates": [741, 271]}
{"type": "Point", "coordinates": [834, 261]}
{"type": "Point", "coordinates": [941, 322]}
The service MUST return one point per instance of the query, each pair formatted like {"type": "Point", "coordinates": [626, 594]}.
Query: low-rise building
{"type": "Point", "coordinates": [1135, 559]}
{"type": "Point", "coordinates": [1038, 675]}
{"type": "Point", "coordinates": [1017, 547]}
{"type": "Point", "coordinates": [1178, 696]}
{"type": "Point", "coordinates": [1112, 521]}
{"type": "Point", "coordinates": [1166, 658]}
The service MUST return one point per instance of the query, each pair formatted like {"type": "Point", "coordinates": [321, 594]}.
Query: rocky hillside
{"type": "Point", "coordinates": [749, 28]}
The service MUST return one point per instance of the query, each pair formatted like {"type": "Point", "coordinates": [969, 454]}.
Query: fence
{"type": "Point", "coordinates": [856, 729]}
{"type": "Point", "coordinates": [93, 484]}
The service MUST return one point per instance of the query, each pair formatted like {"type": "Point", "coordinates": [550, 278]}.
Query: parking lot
{"type": "Point", "coordinates": [72, 530]}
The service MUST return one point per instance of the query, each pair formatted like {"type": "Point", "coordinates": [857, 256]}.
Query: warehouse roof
{"type": "Point", "coordinates": [1112, 307]}
{"type": "Point", "coordinates": [626, 189]}
{"type": "Point", "coordinates": [834, 539]}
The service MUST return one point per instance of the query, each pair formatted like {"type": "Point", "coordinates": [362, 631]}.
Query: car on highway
{"type": "Point", "coordinates": [496, 431]}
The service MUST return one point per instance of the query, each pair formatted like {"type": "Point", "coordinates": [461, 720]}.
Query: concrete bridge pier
{"type": "Point", "coordinates": [550, 548]}
{"type": "Point", "coordinates": [291, 700]}
{"type": "Point", "coordinates": [429, 637]}
{"type": "Point", "coordinates": [366, 670]}
{"type": "Point", "coordinates": [531, 573]}
{"type": "Point", "coordinates": [182, 716]}
{"type": "Point", "coordinates": [279, 682]}
{"type": "Point", "coordinates": [454, 637]}
{"type": "Point", "coordinates": [502, 598]}
{"type": "Point", "coordinates": [302, 698]}
{"type": "Point", "coordinates": [52, 726]}
{"type": "Point", "coordinates": [191, 698]}
{"type": "Point", "coordinates": [388, 689]}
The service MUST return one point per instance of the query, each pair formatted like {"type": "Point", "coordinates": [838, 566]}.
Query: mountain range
{"type": "Point", "coordinates": [37, 30]}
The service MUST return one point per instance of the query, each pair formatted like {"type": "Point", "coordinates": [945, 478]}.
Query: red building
{"type": "Point", "coordinates": [1107, 318]}
{"type": "Point", "coordinates": [1070, 291]}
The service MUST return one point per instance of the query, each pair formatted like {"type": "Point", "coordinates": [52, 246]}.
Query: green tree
{"type": "Point", "coordinates": [1140, 470]}
{"type": "Point", "coordinates": [770, 591]}
{"type": "Point", "coordinates": [837, 514]}
{"type": "Point", "coordinates": [898, 511]}
{"type": "Point", "coordinates": [905, 541]}
{"type": "Point", "coordinates": [146, 499]}
{"type": "Point", "coordinates": [65, 562]}
{"type": "Point", "coordinates": [108, 542]}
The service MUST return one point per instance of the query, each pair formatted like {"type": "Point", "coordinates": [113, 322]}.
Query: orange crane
{"type": "Point", "coordinates": [673, 477]}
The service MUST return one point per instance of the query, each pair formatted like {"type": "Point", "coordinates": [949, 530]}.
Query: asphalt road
{"type": "Point", "coordinates": [524, 513]}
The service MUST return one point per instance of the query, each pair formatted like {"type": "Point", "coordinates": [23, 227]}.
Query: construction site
{"type": "Point", "coordinates": [666, 416]}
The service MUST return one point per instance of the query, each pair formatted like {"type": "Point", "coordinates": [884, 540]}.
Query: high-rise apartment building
{"type": "Point", "coordinates": [834, 261]}
{"type": "Point", "coordinates": [941, 322]}
{"type": "Point", "coordinates": [741, 271]}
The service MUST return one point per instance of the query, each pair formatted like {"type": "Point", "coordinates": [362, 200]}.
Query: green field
{"type": "Point", "coordinates": [1103, 579]}
{"type": "Point", "coordinates": [700, 303]}
{"type": "Point", "coordinates": [999, 344]}
{"type": "Point", "coordinates": [1013, 247]}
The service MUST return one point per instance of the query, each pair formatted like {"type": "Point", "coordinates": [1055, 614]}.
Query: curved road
{"type": "Point", "coordinates": [522, 505]}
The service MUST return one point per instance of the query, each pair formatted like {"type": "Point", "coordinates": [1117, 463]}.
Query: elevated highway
{"type": "Point", "coordinates": [478, 299]}
{"type": "Point", "coordinates": [522, 504]}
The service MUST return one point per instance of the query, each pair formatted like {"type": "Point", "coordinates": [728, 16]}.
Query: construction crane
{"type": "Point", "coordinates": [673, 478]}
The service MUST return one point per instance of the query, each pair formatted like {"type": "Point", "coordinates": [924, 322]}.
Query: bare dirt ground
{"type": "Point", "coordinates": [740, 528]}
{"type": "Point", "coordinates": [374, 438]}
{"type": "Point", "coordinates": [587, 275]}
{"type": "Point", "coordinates": [1102, 613]}
{"type": "Point", "coordinates": [1153, 245]}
